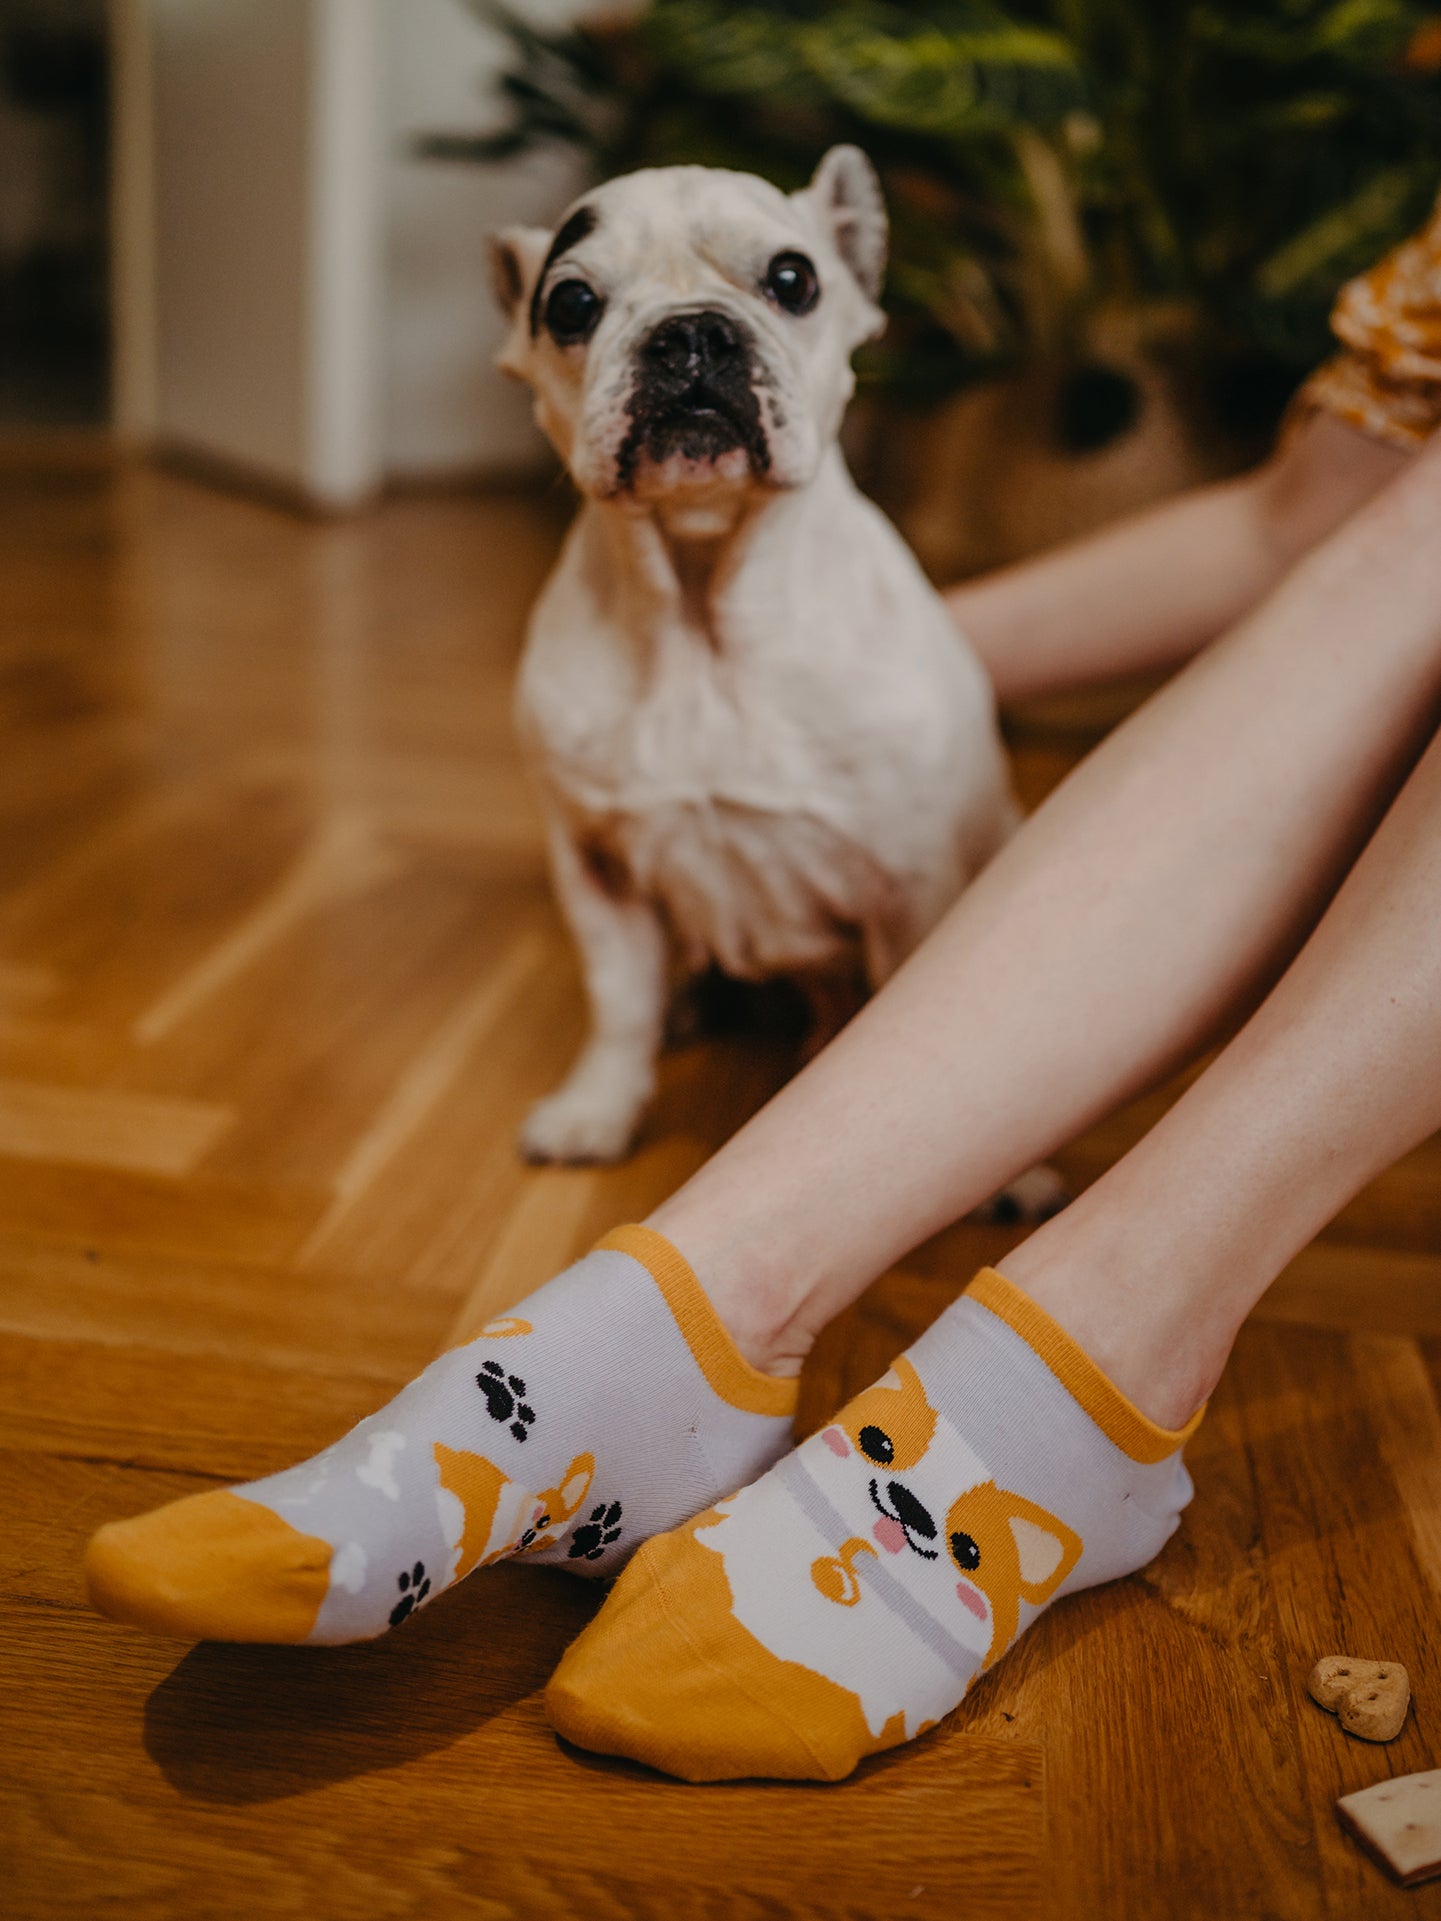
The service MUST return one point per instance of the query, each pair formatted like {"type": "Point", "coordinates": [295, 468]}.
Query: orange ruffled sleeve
{"type": "Point", "coordinates": [1387, 378]}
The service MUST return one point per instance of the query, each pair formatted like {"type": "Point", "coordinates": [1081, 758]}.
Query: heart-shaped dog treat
{"type": "Point", "coordinates": [1368, 1698]}
{"type": "Point", "coordinates": [1336, 1675]}
{"type": "Point", "coordinates": [1378, 1712]}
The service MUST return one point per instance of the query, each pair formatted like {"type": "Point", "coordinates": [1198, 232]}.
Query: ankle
{"type": "Point", "coordinates": [759, 1305]}
{"type": "Point", "coordinates": [780, 1350]}
{"type": "Point", "coordinates": [1164, 1360]}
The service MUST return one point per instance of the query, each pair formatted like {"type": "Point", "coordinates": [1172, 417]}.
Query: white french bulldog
{"type": "Point", "coordinates": [760, 740]}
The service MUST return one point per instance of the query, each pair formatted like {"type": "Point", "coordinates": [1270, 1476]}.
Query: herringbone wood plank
{"type": "Point", "coordinates": [279, 973]}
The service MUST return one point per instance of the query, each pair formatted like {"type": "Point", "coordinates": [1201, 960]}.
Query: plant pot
{"type": "Point", "coordinates": [1018, 464]}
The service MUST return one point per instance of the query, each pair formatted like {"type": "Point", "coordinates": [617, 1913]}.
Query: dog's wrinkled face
{"type": "Point", "coordinates": [688, 330]}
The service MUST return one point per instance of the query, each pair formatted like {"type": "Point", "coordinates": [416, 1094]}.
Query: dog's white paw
{"type": "Point", "coordinates": [1033, 1196]}
{"type": "Point", "coordinates": [575, 1124]}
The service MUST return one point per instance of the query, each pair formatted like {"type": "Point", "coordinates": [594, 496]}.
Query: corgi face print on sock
{"type": "Point", "coordinates": [889, 1523]}
{"type": "Point", "coordinates": [486, 1514]}
{"type": "Point", "coordinates": [1002, 1548]}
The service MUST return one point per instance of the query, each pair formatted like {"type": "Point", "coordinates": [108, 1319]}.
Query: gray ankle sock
{"type": "Point", "coordinates": [610, 1405]}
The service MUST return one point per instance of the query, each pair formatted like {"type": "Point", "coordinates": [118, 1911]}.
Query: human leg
{"type": "Point", "coordinates": [1110, 938]}
{"type": "Point", "coordinates": [1029, 1444]}
{"type": "Point", "coordinates": [1335, 1076]}
{"type": "Point", "coordinates": [1149, 591]}
{"type": "Point", "coordinates": [1150, 898]}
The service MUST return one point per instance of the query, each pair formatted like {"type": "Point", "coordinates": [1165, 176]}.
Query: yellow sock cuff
{"type": "Point", "coordinates": [1135, 1433]}
{"type": "Point", "coordinates": [716, 1355]}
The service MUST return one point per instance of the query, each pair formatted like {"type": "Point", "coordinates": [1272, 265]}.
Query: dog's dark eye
{"type": "Point", "coordinates": [572, 312]}
{"type": "Point", "coordinates": [965, 1553]}
{"type": "Point", "coordinates": [791, 282]}
{"type": "Point", "coordinates": [877, 1445]}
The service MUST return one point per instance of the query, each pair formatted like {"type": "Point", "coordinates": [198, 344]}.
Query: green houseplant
{"type": "Point", "coordinates": [1245, 156]}
{"type": "Point", "coordinates": [1210, 169]}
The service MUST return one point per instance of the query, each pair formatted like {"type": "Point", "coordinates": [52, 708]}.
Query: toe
{"type": "Point", "coordinates": [666, 1675]}
{"type": "Point", "coordinates": [213, 1567]}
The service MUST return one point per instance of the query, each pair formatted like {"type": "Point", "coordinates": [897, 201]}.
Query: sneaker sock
{"type": "Point", "coordinates": [844, 1602]}
{"type": "Point", "coordinates": [610, 1405]}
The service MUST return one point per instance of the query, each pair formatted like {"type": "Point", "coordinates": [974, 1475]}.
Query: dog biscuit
{"type": "Point", "coordinates": [1400, 1823]}
{"type": "Point", "coordinates": [1369, 1698]}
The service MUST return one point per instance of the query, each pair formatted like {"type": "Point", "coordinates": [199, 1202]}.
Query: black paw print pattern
{"type": "Point", "coordinates": [593, 1537]}
{"type": "Point", "coordinates": [414, 1586]}
{"type": "Point", "coordinates": [505, 1397]}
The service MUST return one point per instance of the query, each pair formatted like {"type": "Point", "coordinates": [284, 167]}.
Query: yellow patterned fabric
{"type": "Point", "coordinates": [1387, 378]}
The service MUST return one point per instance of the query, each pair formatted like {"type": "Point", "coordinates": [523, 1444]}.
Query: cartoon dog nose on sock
{"type": "Point", "coordinates": [903, 1521]}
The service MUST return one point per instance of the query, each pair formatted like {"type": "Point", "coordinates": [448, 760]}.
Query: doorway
{"type": "Point", "coordinates": [54, 294]}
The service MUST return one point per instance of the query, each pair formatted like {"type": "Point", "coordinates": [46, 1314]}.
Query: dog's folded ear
{"type": "Point", "coordinates": [845, 196]}
{"type": "Point", "coordinates": [516, 257]}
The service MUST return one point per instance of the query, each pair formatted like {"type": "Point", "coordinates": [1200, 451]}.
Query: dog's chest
{"type": "Point", "coordinates": [759, 821]}
{"type": "Point", "coordinates": [759, 891]}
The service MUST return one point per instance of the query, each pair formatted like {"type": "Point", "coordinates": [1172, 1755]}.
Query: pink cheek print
{"type": "Point", "coordinates": [973, 1599]}
{"type": "Point", "coordinates": [890, 1534]}
{"type": "Point", "coordinates": [836, 1442]}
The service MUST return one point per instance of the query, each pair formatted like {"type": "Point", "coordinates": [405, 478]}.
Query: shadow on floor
{"type": "Point", "coordinates": [247, 1724]}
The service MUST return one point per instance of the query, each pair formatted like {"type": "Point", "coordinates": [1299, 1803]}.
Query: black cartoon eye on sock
{"type": "Point", "coordinates": [965, 1553]}
{"type": "Point", "coordinates": [505, 1397]}
{"type": "Point", "coordinates": [593, 1537]}
{"type": "Point", "coordinates": [414, 1586]}
{"type": "Point", "coordinates": [533, 1534]}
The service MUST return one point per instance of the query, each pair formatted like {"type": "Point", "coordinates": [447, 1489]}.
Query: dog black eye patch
{"type": "Point", "coordinates": [582, 223]}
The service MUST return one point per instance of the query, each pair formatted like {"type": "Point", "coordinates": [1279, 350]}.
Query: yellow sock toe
{"type": "Point", "coordinates": [666, 1675]}
{"type": "Point", "coordinates": [211, 1567]}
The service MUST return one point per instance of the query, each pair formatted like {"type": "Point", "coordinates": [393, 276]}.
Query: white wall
{"type": "Point", "coordinates": [345, 254]}
{"type": "Point", "coordinates": [446, 408]}
{"type": "Point", "coordinates": [298, 297]}
{"type": "Point", "coordinates": [266, 237]}
{"type": "Point", "coordinates": [132, 223]}
{"type": "Point", "coordinates": [231, 171]}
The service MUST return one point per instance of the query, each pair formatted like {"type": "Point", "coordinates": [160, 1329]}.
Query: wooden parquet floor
{"type": "Point", "coordinates": [279, 972]}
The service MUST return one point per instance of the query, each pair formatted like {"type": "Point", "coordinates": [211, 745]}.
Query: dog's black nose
{"type": "Point", "coordinates": [910, 1512]}
{"type": "Point", "coordinates": [692, 345]}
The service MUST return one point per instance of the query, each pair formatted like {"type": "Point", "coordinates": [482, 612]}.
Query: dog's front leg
{"type": "Point", "coordinates": [594, 1113]}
